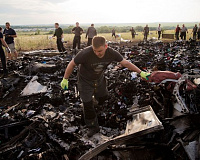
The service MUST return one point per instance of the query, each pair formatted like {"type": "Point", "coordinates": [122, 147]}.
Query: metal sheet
{"type": "Point", "coordinates": [144, 121]}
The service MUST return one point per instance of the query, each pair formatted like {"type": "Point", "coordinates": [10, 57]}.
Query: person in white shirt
{"type": "Point", "coordinates": [183, 32]}
{"type": "Point", "coordinates": [159, 31]}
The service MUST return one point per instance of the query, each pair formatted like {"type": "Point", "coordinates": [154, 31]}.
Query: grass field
{"type": "Point", "coordinates": [29, 41]}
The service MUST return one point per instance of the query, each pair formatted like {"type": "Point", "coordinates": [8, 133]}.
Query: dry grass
{"type": "Point", "coordinates": [33, 42]}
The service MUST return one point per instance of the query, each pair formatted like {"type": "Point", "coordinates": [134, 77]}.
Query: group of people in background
{"type": "Point", "coordinates": [8, 34]}
{"type": "Point", "coordinates": [77, 31]}
{"type": "Point", "coordinates": [181, 32]}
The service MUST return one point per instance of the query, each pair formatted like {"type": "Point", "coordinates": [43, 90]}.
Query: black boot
{"type": "Point", "coordinates": [92, 131]}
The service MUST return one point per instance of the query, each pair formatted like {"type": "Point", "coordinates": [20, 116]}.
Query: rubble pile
{"type": "Point", "coordinates": [38, 120]}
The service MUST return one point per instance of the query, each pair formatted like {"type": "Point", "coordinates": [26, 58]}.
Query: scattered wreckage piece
{"type": "Point", "coordinates": [33, 87]}
{"type": "Point", "coordinates": [144, 122]}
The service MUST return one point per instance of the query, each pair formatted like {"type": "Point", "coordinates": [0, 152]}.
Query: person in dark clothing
{"type": "Point", "coordinates": [92, 62]}
{"type": "Point", "coordinates": [146, 32]}
{"type": "Point", "coordinates": [91, 32]}
{"type": "Point", "coordinates": [59, 34]}
{"type": "Point", "coordinates": [177, 31]}
{"type": "Point", "coordinates": [113, 33]}
{"type": "Point", "coordinates": [195, 29]}
{"type": "Point", "coordinates": [133, 32]}
{"type": "Point", "coordinates": [10, 34]}
{"type": "Point", "coordinates": [198, 32]}
{"type": "Point", "coordinates": [77, 38]}
{"type": "Point", "coordinates": [2, 55]}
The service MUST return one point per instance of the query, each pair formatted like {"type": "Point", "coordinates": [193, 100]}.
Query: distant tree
{"type": "Point", "coordinates": [51, 32]}
{"type": "Point", "coordinates": [37, 32]}
{"type": "Point", "coordinates": [139, 28]}
{"type": "Point", "coordinates": [68, 29]}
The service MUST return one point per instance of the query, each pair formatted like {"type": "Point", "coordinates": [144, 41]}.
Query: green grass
{"type": "Point", "coordinates": [28, 41]}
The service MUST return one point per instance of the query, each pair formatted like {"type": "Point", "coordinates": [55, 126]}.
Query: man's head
{"type": "Point", "coordinates": [1, 29]}
{"type": "Point", "coordinates": [7, 25]}
{"type": "Point", "coordinates": [92, 25]}
{"type": "Point", "coordinates": [183, 25]}
{"type": "Point", "coordinates": [147, 25]}
{"type": "Point", "coordinates": [177, 25]}
{"type": "Point", "coordinates": [99, 46]}
{"type": "Point", "coordinates": [195, 25]}
{"type": "Point", "coordinates": [159, 25]}
{"type": "Point", "coordinates": [77, 24]}
{"type": "Point", "coordinates": [56, 25]}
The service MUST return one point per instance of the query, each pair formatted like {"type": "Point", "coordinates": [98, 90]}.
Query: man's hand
{"type": "Point", "coordinates": [8, 50]}
{"type": "Point", "coordinates": [62, 39]}
{"type": "Point", "coordinates": [145, 75]}
{"type": "Point", "coordinates": [64, 84]}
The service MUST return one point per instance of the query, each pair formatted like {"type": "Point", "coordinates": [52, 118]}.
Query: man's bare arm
{"type": "Point", "coordinates": [3, 42]}
{"type": "Point", "coordinates": [69, 69]}
{"type": "Point", "coordinates": [130, 66]}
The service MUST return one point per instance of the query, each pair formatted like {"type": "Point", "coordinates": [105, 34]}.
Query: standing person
{"type": "Point", "coordinates": [113, 33]}
{"type": "Point", "coordinates": [146, 32]}
{"type": "Point", "coordinates": [195, 29]}
{"type": "Point", "coordinates": [183, 32]}
{"type": "Point", "coordinates": [159, 31]}
{"type": "Point", "coordinates": [133, 32]}
{"type": "Point", "coordinates": [91, 32]}
{"type": "Point", "coordinates": [59, 34]}
{"type": "Point", "coordinates": [177, 31]}
{"type": "Point", "coordinates": [77, 38]}
{"type": "Point", "coordinates": [2, 54]}
{"type": "Point", "coordinates": [198, 32]}
{"type": "Point", "coordinates": [10, 34]}
{"type": "Point", "coordinates": [92, 62]}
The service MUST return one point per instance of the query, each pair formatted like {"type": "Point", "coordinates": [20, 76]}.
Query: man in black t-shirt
{"type": "Point", "coordinates": [59, 34]}
{"type": "Point", "coordinates": [133, 32]}
{"type": "Point", "coordinates": [10, 34]}
{"type": "Point", "coordinates": [2, 55]}
{"type": "Point", "coordinates": [77, 38]}
{"type": "Point", "coordinates": [146, 32]}
{"type": "Point", "coordinates": [195, 29]}
{"type": "Point", "coordinates": [92, 62]}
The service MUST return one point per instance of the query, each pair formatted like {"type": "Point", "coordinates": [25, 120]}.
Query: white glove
{"type": "Point", "coordinates": [8, 50]}
{"type": "Point", "coordinates": [62, 39]}
{"type": "Point", "coordinates": [50, 37]}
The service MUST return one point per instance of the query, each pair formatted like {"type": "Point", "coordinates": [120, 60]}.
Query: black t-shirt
{"type": "Point", "coordinates": [91, 67]}
{"type": "Point", "coordinates": [58, 32]}
{"type": "Point", "coordinates": [9, 31]}
{"type": "Point", "coordinates": [77, 31]}
{"type": "Point", "coordinates": [1, 36]}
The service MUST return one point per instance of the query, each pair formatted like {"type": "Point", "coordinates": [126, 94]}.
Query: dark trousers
{"type": "Point", "coordinates": [159, 33]}
{"type": "Point", "coordinates": [113, 35]}
{"type": "Point", "coordinates": [194, 35]}
{"type": "Point", "coordinates": [183, 35]}
{"type": "Point", "coordinates": [87, 89]}
{"type": "Point", "coordinates": [198, 33]}
{"type": "Point", "coordinates": [77, 40]}
{"type": "Point", "coordinates": [133, 36]}
{"type": "Point", "coordinates": [145, 36]}
{"type": "Point", "coordinates": [60, 45]}
{"type": "Point", "coordinates": [89, 43]}
{"type": "Point", "coordinates": [177, 35]}
{"type": "Point", "coordinates": [3, 60]}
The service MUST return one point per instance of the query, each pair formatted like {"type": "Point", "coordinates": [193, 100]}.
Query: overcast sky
{"type": "Point", "coordinates": [101, 11]}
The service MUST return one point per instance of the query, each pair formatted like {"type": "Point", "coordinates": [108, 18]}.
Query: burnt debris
{"type": "Point", "coordinates": [38, 120]}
